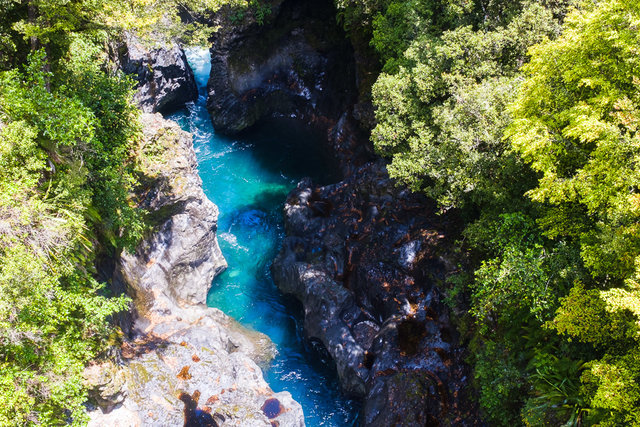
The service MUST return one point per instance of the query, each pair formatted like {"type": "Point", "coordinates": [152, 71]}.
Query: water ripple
{"type": "Point", "coordinates": [249, 178]}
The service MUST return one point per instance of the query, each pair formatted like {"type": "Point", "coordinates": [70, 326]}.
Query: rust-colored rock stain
{"type": "Point", "coordinates": [184, 373]}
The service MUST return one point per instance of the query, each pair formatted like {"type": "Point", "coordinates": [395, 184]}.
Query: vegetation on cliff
{"type": "Point", "coordinates": [523, 117]}
{"type": "Point", "coordinates": [67, 132]}
{"type": "Point", "coordinates": [66, 175]}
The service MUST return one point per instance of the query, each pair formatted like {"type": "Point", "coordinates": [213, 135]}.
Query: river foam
{"type": "Point", "coordinates": [249, 178]}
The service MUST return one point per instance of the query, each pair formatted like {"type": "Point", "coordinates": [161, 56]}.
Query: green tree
{"type": "Point", "coordinates": [575, 122]}
{"type": "Point", "coordinates": [441, 117]}
{"type": "Point", "coordinates": [58, 176]}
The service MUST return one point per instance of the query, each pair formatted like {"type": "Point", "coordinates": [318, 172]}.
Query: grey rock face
{"type": "Point", "coordinates": [165, 79]}
{"type": "Point", "coordinates": [183, 359]}
{"type": "Point", "coordinates": [198, 353]}
{"type": "Point", "coordinates": [364, 257]}
{"type": "Point", "coordinates": [182, 256]}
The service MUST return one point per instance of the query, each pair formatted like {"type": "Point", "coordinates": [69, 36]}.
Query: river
{"type": "Point", "coordinates": [248, 178]}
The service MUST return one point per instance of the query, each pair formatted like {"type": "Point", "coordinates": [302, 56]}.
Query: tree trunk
{"type": "Point", "coordinates": [32, 14]}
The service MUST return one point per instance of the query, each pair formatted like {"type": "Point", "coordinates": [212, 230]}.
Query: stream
{"type": "Point", "coordinates": [248, 178]}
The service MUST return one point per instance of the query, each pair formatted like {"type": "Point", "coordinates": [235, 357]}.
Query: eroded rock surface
{"type": "Point", "coordinates": [181, 361]}
{"type": "Point", "coordinates": [298, 64]}
{"type": "Point", "coordinates": [182, 256]}
{"type": "Point", "coordinates": [165, 79]}
{"type": "Point", "coordinates": [364, 256]}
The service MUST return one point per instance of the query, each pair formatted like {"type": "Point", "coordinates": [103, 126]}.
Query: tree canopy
{"type": "Point", "coordinates": [522, 117]}
{"type": "Point", "coordinates": [68, 130]}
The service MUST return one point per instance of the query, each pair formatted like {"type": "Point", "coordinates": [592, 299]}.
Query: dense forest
{"type": "Point", "coordinates": [68, 132]}
{"type": "Point", "coordinates": [518, 116]}
{"type": "Point", "coordinates": [522, 116]}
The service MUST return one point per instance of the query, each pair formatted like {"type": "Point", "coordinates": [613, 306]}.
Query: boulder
{"type": "Point", "coordinates": [165, 79]}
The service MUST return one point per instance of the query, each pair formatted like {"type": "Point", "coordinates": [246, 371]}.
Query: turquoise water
{"type": "Point", "coordinates": [248, 178]}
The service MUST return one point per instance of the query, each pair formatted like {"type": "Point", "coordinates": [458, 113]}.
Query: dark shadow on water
{"type": "Point", "coordinates": [292, 148]}
{"type": "Point", "coordinates": [270, 201]}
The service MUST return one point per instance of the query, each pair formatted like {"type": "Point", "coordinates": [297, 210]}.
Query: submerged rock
{"type": "Point", "coordinates": [181, 363]}
{"type": "Point", "coordinates": [364, 257]}
{"type": "Point", "coordinates": [165, 79]}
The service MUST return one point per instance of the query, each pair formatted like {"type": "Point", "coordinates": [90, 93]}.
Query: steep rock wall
{"type": "Point", "coordinates": [365, 256]}
{"type": "Point", "coordinates": [298, 64]}
{"type": "Point", "coordinates": [164, 78]}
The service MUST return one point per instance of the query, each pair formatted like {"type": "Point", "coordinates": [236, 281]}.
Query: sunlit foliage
{"type": "Point", "coordinates": [523, 116]}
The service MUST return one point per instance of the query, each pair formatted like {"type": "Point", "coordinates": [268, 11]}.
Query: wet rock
{"type": "Point", "coordinates": [165, 79]}
{"type": "Point", "coordinates": [367, 272]}
{"type": "Point", "coordinates": [176, 347]}
{"type": "Point", "coordinates": [300, 65]}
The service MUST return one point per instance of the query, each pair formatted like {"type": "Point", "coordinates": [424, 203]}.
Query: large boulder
{"type": "Point", "coordinates": [164, 78]}
{"type": "Point", "coordinates": [191, 362]}
{"type": "Point", "coordinates": [181, 362]}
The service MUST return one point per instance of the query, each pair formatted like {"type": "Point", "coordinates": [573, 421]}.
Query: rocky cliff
{"type": "Point", "coordinates": [365, 258]}
{"type": "Point", "coordinates": [181, 363]}
{"type": "Point", "coordinates": [297, 64]}
{"type": "Point", "coordinates": [164, 79]}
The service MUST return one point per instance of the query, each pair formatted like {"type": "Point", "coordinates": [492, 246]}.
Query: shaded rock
{"type": "Point", "coordinates": [176, 346]}
{"type": "Point", "coordinates": [366, 271]}
{"type": "Point", "coordinates": [165, 79]}
{"type": "Point", "coordinates": [299, 64]}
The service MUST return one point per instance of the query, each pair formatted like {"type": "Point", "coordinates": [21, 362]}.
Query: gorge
{"type": "Point", "coordinates": [331, 212]}
{"type": "Point", "coordinates": [286, 94]}
{"type": "Point", "coordinates": [248, 177]}
{"type": "Point", "coordinates": [286, 91]}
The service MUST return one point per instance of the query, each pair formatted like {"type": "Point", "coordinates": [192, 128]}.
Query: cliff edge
{"type": "Point", "coordinates": [182, 361]}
